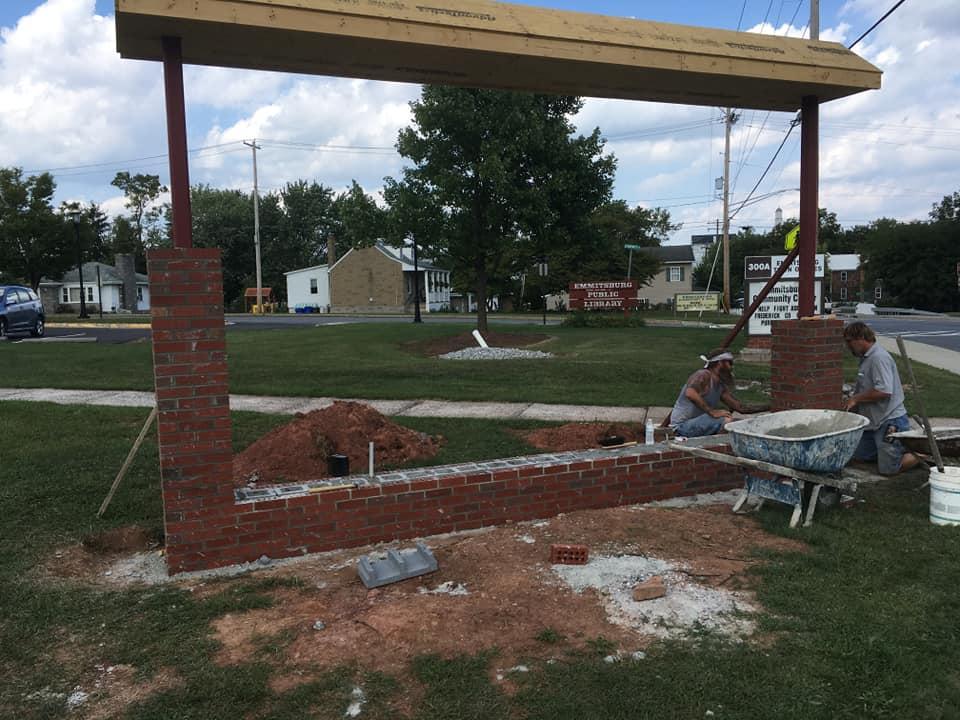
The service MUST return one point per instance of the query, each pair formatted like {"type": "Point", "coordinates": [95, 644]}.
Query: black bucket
{"type": "Point", "coordinates": [338, 465]}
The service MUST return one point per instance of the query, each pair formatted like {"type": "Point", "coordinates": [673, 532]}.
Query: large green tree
{"type": "Point", "coordinates": [308, 224]}
{"type": "Point", "coordinates": [33, 238]}
{"type": "Point", "coordinates": [357, 219]}
{"type": "Point", "coordinates": [513, 181]}
{"type": "Point", "coordinates": [617, 225]}
{"type": "Point", "coordinates": [141, 193]}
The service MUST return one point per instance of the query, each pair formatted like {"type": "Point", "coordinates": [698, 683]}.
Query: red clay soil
{"type": "Point", "coordinates": [298, 451]}
{"type": "Point", "coordinates": [583, 436]}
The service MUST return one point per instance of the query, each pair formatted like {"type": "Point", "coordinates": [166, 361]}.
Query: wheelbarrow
{"type": "Point", "coordinates": [792, 449]}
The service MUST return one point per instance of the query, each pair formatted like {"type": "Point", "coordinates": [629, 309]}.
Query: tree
{"type": "Point", "coordinates": [618, 225]}
{"type": "Point", "coordinates": [141, 192]}
{"type": "Point", "coordinates": [224, 219]}
{"type": "Point", "coordinates": [947, 210]}
{"type": "Point", "coordinates": [513, 183]}
{"type": "Point", "coordinates": [33, 239]}
{"type": "Point", "coordinates": [358, 220]}
{"type": "Point", "coordinates": [746, 242]}
{"type": "Point", "coordinates": [308, 223]}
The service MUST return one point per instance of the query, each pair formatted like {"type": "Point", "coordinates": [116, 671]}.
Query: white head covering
{"type": "Point", "coordinates": [716, 358]}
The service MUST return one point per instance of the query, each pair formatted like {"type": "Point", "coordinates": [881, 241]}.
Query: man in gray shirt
{"type": "Point", "coordinates": [878, 396]}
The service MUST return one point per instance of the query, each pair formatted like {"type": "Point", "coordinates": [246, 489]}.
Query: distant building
{"type": "Point", "coordinates": [700, 245]}
{"type": "Point", "coordinates": [675, 274]}
{"type": "Point", "coordinates": [113, 288]}
{"type": "Point", "coordinates": [846, 278]}
{"type": "Point", "coordinates": [308, 289]}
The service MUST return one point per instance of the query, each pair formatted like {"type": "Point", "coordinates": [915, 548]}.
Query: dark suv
{"type": "Point", "coordinates": [20, 311]}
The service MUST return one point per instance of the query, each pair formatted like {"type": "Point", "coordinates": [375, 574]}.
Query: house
{"type": "Point", "coordinates": [112, 288]}
{"type": "Point", "coordinates": [381, 279]}
{"type": "Point", "coordinates": [846, 278]}
{"type": "Point", "coordinates": [675, 274]}
{"type": "Point", "coordinates": [308, 289]}
{"type": "Point", "coordinates": [700, 245]}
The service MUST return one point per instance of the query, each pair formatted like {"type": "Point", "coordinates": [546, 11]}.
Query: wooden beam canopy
{"type": "Point", "coordinates": [474, 43]}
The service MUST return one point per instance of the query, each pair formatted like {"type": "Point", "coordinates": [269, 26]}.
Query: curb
{"type": "Point", "coordinates": [128, 326]}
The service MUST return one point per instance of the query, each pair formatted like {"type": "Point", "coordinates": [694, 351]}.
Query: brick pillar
{"type": "Point", "coordinates": [806, 368]}
{"type": "Point", "coordinates": [190, 371]}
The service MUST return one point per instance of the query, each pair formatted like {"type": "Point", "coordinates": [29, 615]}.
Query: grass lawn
{"type": "Point", "coordinates": [611, 366]}
{"type": "Point", "coordinates": [861, 625]}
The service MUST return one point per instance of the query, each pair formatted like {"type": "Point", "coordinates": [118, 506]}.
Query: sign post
{"type": "Point", "coordinates": [631, 248]}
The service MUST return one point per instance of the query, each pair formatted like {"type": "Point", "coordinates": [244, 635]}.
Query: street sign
{"type": "Point", "coordinates": [633, 247]}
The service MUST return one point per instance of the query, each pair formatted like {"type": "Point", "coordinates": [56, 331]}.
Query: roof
{"type": "Point", "coordinates": [479, 43]}
{"type": "Point", "coordinates": [306, 269]}
{"type": "Point", "coordinates": [108, 276]}
{"type": "Point", "coordinates": [672, 253]}
{"type": "Point", "coordinates": [252, 292]}
{"type": "Point", "coordinates": [401, 255]}
{"type": "Point", "coordinates": [847, 262]}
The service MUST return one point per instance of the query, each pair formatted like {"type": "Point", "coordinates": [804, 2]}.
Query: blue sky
{"type": "Point", "coordinates": [69, 105]}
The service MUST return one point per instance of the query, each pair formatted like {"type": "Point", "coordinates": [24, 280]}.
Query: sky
{"type": "Point", "coordinates": [69, 105]}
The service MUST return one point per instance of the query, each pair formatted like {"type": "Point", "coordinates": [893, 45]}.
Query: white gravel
{"type": "Point", "coordinates": [479, 353]}
{"type": "Point", "coordinates": [686, 606]}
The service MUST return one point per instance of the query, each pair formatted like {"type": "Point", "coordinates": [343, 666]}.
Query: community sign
{"type": "Point", "coordinates": [696, 302]}
{"type": "Point", "coordinates": [603, 295]}
{"type": "Point", "coordinates": [783, 300]}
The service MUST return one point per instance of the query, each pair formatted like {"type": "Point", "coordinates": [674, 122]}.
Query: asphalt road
{"type": "Point", "coordinates": [941, 332]}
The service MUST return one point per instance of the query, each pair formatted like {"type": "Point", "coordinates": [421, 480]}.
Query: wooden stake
{"type": "Point", "coordinates": [923, 413]}
{"type": "Point", "coordinates": [127, 462]}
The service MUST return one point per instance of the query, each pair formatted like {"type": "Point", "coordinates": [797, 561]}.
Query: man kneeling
{"type": "Point", "coordinates": [697, 411]}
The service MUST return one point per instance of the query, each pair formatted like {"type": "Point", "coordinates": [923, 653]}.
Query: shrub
{"type": "Point", "coordinates": [585, 319]}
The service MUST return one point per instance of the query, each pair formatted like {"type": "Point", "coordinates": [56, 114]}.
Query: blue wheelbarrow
{"type": "Point", "coordinates": [791, 449]}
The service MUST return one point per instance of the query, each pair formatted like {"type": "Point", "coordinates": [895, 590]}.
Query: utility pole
{"type": "Point", "coordinates": [256, 222]}
{"type": "Point", "coordinates": [814, 19]}
{"type": "Point", "coordinates": [730, 118]}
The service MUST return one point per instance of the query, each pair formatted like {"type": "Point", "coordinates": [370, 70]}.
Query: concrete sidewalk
{"type": "Point", "coordinates": [409, 408]}
{"type": "Point", "coordinates": [937, 357]}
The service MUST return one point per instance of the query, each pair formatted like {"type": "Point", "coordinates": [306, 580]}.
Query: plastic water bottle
{"type": "Point", "coordinates": [648, 436]}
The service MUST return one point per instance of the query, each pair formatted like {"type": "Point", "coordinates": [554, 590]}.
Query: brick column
{"type": "Point", "coordinates": [190, 371]}
{"type": "Point", "coordinates": [806, 368]}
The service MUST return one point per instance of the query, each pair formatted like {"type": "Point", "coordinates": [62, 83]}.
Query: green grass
{"type": "Point", "coordinates": [863, 624]}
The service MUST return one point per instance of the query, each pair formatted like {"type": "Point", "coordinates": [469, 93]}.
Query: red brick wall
{"type": "Point", "coordinates": [806, 367]}
{"type": "Point", "coordinates": [190, 371]}
{"type": "Point", "coordinates": [207, 526]}
{"type": "Point", "coordinates": [374, 512]}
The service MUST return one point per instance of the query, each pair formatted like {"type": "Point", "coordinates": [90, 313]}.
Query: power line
{"type": "Point", "coordinates": [873, 27]}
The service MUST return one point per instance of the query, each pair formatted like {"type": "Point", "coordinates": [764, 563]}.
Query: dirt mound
{"type": "Point", "coordinates": [581, 436]}
{"type": "Point", "coordinates": [297, 451]}
{"type": "Point", "coordinates": [452, 343]}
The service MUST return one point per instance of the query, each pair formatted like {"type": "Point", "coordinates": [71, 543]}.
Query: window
{"type": "Point", "coordinates": [878, 293]}
{"type": "Point", "coordinates": [675, 274]}
{"type": "Point", "coordinates": [843, 293]}
{"type": "Point", "coordinates": [64, 295]}
{"type": "Point", "coordinates": [313, 286]}
{"type": "Point", "coordinates": [89, 289]}
{"type": "Point", "coordinates": [139, 294]}
{"type": "Point", "coordinates": [843, 276]}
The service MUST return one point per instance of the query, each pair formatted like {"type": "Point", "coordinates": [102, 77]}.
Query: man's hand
{"type": "Point", "coordinates": [851, 404]}
{"type": "Point", "coordinates": [719, 413]}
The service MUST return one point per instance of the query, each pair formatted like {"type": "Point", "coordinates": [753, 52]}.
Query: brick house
{"type": "Point", "coordinates": [846, 278]}
{"type": "Point", "coordinates": [381, 279]}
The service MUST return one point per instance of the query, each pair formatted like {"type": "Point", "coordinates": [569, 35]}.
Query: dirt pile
{"type": "Point", "coordinates": [298, 451]}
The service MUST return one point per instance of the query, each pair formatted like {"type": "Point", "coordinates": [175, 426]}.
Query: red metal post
{"type": "Point", "coordinates": [809, 220]}
{"type": "Point", "coordinates": [177, 142]}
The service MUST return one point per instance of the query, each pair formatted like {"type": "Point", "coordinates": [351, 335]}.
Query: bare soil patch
{"type": "Point", "coordinates": [298, 450]}
{"type": "Point", "coordinates": [583, 436]}
{"type": "Point", "coordinates": [494, 589]}
{"type": "Point", "coordinates": [452, 343]}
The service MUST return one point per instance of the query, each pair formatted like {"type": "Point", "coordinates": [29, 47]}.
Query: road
{"type": "Point", "coordinates": [941, 332]}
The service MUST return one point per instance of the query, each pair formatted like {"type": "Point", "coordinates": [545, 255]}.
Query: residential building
{"type": "Point", "coordinates": [700, 244]}
{"type": "Point", "coordinates": [114, 288]}
{"type": "Point", "coordinates": [308, 289]}
{"type": "Point", "coordinates": [846, 278]}
{"type": "Point", "coordinates": [675, 275]}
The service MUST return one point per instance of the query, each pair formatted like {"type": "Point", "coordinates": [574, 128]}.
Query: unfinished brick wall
{"type": "Point", "coordinates": [806, 367]}
{"type": "Point", "coordinates": [435, 500]}
{"type": "Point", "coordinates": [210, 523]}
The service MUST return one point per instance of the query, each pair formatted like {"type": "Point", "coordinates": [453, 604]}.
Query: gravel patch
{"type": "Point", "coordinates": [479, 353]}
{"type": "Point", "coordinates": [686, 606]}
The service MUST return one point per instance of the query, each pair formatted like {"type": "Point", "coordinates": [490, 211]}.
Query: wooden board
{"type": "Point", "coordinates": [475, 43]}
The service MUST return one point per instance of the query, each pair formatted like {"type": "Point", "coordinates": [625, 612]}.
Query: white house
{"type": "Point", "coordinates": [308, 288]}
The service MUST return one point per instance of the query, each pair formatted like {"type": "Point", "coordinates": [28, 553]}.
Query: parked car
{"type": "Point", "coordinates": [21, 311]}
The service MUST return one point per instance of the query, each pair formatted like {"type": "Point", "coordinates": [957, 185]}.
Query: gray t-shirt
{"type": "Point", "coordinates": [711, 389]}
{"type": "Point", "coordinates": [878, 371]}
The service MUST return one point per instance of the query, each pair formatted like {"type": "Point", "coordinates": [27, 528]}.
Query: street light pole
{"type": "Point", "coordinates": [75, 216]}
{"type": "Point", "coordinates": [416, 284]}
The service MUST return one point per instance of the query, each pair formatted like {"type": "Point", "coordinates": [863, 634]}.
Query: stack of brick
{"type": "Point", "coordinates": [806, 368]}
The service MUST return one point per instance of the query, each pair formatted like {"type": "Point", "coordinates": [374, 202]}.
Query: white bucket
{"type": "Point", "coordinates": [945, 496]}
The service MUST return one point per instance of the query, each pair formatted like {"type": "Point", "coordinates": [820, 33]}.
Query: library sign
{"type": "Point", "coordinates": [783, 300]}
{"type": "Point", "coordinates": [603, 295]}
